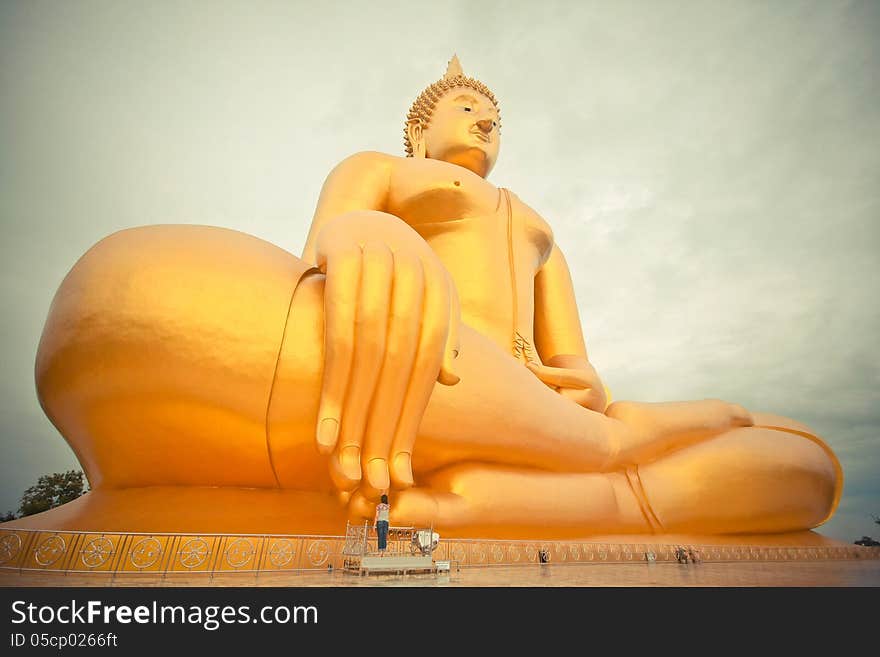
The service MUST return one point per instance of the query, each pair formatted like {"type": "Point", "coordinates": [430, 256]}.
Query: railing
{"type": "Point", "coordinates": [361, 540]}
{"type": "Point", "coordinates": [169, 554]}
{"type": "Point", "coordinates": [490, 553]}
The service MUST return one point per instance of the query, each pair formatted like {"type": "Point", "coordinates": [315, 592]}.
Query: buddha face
{"type": "Point", "coordinates": [463, 130]}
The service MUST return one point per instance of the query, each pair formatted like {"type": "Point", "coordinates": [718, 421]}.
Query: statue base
{"type": "Point", "coordinates": [164, 530]}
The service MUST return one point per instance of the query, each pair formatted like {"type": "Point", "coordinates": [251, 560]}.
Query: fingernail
{"type": "Point", "coordinates": [350, 462]}
{"type": "Point", "coordinates": [328, 430]}
{"type": "Point", "coordinates": [403, 469]}
{"type": "Point", "coordinates": [377, 474]}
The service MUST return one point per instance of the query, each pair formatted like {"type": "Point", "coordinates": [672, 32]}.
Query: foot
{"type": "Point", "coordinates": [651, 430]}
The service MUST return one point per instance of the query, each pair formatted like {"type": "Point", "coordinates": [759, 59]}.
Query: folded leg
{"type": "Point", "coordinates": [747, 480]}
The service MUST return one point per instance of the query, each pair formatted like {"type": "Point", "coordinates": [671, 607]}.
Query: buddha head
{"type": "Point", "coordinates": [456, 120]}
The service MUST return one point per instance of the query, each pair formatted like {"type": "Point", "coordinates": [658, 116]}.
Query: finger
{"type": "Point", "coordinates": [432, 341]}
{"type": "Point", "coordinates": [450, 353]}
{"type": "Point", "coordinates": [424, 507]}
{"type": "Point", "coordinates": [586, 397]}
{"type": "Point", "coordinates": [402, 341]}
{"type": "Point", "coordinates": [360, 508]}
{"type": "Point", "coordinates": [549, 385]}
{"type": "Point", "coordinates": [371, 322]}
{"type": "Point", "coordinates": [576, 395]}
{"type": "Point", "coordinates": [608, 397]}
{"type": "Point", "coordinates": [559, 376]}
{"type": "Point", "coordinates": [343, 269]}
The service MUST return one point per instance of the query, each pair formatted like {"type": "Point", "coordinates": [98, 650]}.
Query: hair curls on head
{"type": "Point", "coordinates": [424, 105]}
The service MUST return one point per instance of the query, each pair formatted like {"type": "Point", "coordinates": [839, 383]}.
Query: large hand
{"type": "Point", "coordinates": [391, 318]}
{"type": "Point", "coordinates": [574, 378]}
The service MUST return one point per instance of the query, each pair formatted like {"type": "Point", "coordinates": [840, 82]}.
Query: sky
{"type": "Point", "coordinates": [710, 169]}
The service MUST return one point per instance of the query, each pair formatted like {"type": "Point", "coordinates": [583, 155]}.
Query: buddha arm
{"type": "Point", "coordinates": [559, 339]}
{"type": "Point", "coordinates": [359, 182]}
{"type": "Point", "coordinates": [391, 318]}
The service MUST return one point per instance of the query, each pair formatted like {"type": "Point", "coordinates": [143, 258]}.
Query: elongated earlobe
{"type": "Point", "coordinates": [416, 137]}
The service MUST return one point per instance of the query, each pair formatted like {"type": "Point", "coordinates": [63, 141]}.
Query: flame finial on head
{"type": "Point", "coordinates": [423, 107]}
{"type": "Point", "coordinates": [453, 69]}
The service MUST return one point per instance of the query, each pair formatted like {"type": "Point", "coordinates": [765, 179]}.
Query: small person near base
{"type": "Point", "coordinates": [382, 510]}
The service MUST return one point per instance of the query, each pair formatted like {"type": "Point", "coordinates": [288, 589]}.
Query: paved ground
{"type": "Point", "coordinates": [849, 573]}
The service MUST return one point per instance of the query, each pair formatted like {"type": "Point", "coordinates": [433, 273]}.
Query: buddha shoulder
{"type": "Point", "coordinates": [364, 167]}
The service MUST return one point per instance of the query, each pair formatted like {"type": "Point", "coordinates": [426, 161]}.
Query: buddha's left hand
{"type": "Point", "coordinates": [574, 378]}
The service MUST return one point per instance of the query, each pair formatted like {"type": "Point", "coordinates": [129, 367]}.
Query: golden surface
{"type": "Point", "coordinates": [427, 343]}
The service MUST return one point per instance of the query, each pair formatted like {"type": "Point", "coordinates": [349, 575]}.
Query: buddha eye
{"type": "Point", "coordinates": [467, 109]}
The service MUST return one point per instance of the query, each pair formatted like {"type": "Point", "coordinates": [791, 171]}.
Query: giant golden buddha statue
{"type": "Point", "coordinates": [426, 344]}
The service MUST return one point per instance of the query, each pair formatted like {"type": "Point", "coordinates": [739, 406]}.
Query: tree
{"type": "Point", "coordinates": [6, 517]}
{"type": "Point", "coordinates": [52, 490]}
{"type": "Point", "coordinates": [867, 541]}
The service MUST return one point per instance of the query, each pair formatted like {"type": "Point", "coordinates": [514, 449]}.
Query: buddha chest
{"type": "Point", "coordinates": [491, 243]}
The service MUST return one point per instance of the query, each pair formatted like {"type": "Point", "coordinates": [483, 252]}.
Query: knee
{"type": "Point", "coordinates": [826, 482]}
{"type": "Point", "coordinates": [819, 480]}
{"type": "Point", "coordinates": [798, 484]}
{"type": "Point", "coordinates": [815, 465]}
{"type": "Point", "coordinates": [747, 480]}
{"type": "Point", "coordinates": [782, 423]}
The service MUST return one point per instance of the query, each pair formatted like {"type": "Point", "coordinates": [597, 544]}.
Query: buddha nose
{"type": "Point", "coordinates": [485, 125]}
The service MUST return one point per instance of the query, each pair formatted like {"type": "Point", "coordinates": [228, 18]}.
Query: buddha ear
{"type": "Point", "coordinates": [415, 132]}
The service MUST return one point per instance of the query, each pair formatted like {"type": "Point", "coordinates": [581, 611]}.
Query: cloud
{"type": "Point", "coordinates": [710, 174]}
